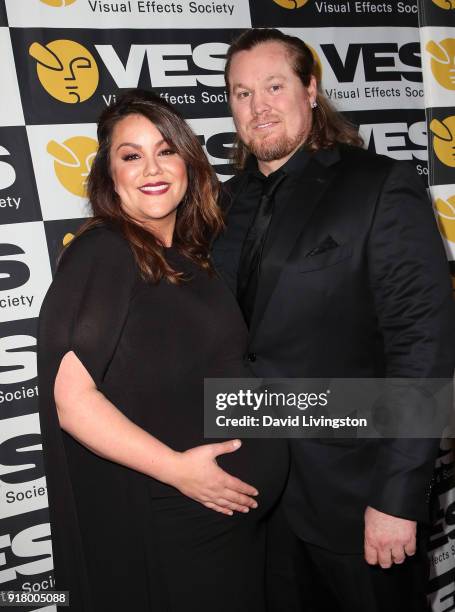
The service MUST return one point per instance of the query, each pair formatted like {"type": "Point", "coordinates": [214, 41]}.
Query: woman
{"type": "Point", "coordinates": [142, 516]}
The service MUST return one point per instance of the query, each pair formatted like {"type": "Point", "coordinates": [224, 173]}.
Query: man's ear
{"type": "Point", "coordinates": [312, 89]}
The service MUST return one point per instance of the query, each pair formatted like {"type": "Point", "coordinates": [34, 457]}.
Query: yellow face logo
{"type": "Point", "coordinates": [66, 70]}
{"type": "Point", "coordinates": [445, 210]}
{"type": "Point", "coordinates": [67, 238]}
{"type": "Point", "coordinates": [72, 162]}
{"type": "Point", "coordinates": [445, 4]}
{"type": "Point", "coordinates": [58, 2]}
{"type": "Point", "coordinates": [444, 140]}
{"type": "Point", "coordinates": [443, 61]}
{"type": "Point", "coordinates": [291, 4]}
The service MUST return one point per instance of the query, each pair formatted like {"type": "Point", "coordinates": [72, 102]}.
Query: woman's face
{"type": "Point", "coordinates": [149, 176]}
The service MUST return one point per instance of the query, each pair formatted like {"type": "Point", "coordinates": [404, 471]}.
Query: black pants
{"type": "Point", "coordinates": [305, 578]}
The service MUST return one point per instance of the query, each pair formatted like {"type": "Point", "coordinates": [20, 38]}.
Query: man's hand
{"type": "Point", "coordinates": [388, 539]}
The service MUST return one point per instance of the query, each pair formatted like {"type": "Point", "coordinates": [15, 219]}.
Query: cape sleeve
{"type": "Point", "coordinates": [85, 311]}
{"type": "Point", "coordinates": [87, 305]}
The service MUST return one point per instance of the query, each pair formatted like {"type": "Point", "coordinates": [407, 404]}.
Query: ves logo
{"type": "Point", "coordinates": [58, 2]}
{"type": "Point", "coordinates": [445, 4]}
{"type": "Point", "coordinates": [66, 70]}
{"type": "Point", "coordinates": [291, 4]}
{"type": "Point", "coordinates": [7, 172]}
{"type": "Point", "coordinates": [72, 161]}
{"type": "Point", "coordinates": [444, 140]}
{"type": "Point", "coordinates": [445, 210]}
{"type": "Point", "coordinates": [443, 61]}
{"type": "Point", "coordinates": [13, 273]}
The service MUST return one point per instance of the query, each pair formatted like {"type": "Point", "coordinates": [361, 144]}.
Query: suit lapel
{"type": "Point", "coordinates": [299, 200]}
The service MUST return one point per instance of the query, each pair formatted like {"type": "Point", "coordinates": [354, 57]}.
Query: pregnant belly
{"type": "Point", "coordinates": [262, 463]}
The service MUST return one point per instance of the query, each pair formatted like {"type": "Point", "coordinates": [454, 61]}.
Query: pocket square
{"type": "Point", "coordinates": [326, 245]}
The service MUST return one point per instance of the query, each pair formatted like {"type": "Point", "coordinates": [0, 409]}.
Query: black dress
{"type": "Point", "coordinates": [122, 540]}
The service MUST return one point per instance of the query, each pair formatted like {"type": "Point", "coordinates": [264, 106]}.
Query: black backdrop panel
{"type": "Point", "coordinates": [3, 19]}
{"type": "Point", "coordinates": [185, 66]}
{"type": "Point", "coordinates": [18, 195]}
{"type": "Point", "coordinates": [436, 12]}
{"type": "Point", "coordinates": [314, 13]}
{"type": "Point", "coordinates": [441, 123]}
{"type": "Point", "coordinates": [18, 375]}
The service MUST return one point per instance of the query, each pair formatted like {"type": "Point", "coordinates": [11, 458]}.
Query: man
{"type": "Point", "coordinates": [340, 272]}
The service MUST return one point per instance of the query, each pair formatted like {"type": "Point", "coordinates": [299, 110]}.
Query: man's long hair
{"type": "Point", "coordinates": [328, 126]}
{"type": "Point", "coordinates": [198, 216]}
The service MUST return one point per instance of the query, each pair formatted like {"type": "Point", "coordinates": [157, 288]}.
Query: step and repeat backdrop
{"type": "Point", "coordinates": [437, 37]}
{"type": "Point", "coordinates": [390, 66]}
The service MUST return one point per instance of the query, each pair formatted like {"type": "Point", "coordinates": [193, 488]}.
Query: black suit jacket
{"type": "Point", "coordinates": [354, 283]}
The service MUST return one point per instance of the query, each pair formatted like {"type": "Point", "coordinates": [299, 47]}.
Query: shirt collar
{"type": "Point", "coordinates": [292, 166]}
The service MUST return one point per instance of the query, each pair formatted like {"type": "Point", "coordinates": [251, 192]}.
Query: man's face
{"type": "Point", "coordinates": [270, 105]}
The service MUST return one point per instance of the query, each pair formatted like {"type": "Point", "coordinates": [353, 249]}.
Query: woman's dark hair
{"type": "Point", "coordinates": [198, 216]}
{"type": "Point", "coordinates": [329, 126]}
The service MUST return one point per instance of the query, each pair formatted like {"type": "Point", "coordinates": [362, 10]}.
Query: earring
{"type": "Point", "coordinates": [314, 104]}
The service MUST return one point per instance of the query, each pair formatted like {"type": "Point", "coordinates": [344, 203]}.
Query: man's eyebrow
{"type": "Point", "coordinates": [275, 76]}
{"type": "Point", "coordinates": [267, 79]}
{"type": "Point", "coordinates": [240, 85]}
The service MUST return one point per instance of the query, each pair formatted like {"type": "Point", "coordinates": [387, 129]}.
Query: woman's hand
{"type": "Point", "coordinates": [199, 477]}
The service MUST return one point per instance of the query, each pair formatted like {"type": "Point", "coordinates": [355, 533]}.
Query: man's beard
{"type": "Point", "coordinates": [268, 150]}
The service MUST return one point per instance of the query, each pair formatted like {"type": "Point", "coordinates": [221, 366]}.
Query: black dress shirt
{"type": "Point", "coordinates": [242, 213]}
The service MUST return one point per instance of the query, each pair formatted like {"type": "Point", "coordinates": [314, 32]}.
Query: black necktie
{"type": "Point", "coordinates": [250, 258]}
